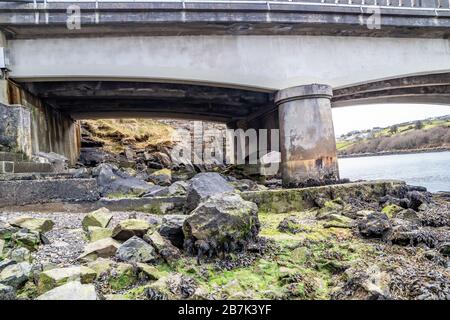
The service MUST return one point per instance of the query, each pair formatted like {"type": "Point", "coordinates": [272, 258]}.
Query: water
{"type": "Point", "coordinates": [431, 170]}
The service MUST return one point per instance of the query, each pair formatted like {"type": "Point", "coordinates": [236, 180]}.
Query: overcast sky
{"type": "Point", "coordinates": [382, 115]}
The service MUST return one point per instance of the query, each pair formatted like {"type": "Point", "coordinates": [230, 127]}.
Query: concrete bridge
{"type": "Point", "coordinates": [250, 64]}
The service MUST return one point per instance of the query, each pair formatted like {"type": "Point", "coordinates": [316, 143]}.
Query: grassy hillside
{"type": "Point", "coordinates": [414, 135]}
{"type": "Point", "coordinates": [115, 135]}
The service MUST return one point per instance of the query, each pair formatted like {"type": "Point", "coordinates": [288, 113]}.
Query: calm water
{"type": "Point", "coordinates": [431, 170]}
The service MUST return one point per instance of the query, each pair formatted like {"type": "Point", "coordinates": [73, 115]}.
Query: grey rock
{"type": "Point", "coordinates": [204, 185]}
{"type": "Point", "coordinates": [7, 292]}
{"type": "Point", "coordinates": [5, 263]}
{"type": "Point", "coordinates": [71, 291]}
{"type": "Point", "coordinates": [15, 275]}
{"type": "Point", "coordinates": [178, 188]}
{"type": "Point", "coordinates": [137, 250]}
{"type": "Point", "coordinates": [172, 229]}
{"type": "Point", "coordinates": [20, 255]}
{"type": "Point", "coordinates": [375, 225]}
{"type": "Point", "coordinates": [164, 247]}
{"type": "Point", "coordinates": [223, 222]}
{"type": "Point", "coordinates": [111, 180]}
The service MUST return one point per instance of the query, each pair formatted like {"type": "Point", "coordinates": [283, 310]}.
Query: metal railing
{"type": "Point", "coordinates": [434, 4]}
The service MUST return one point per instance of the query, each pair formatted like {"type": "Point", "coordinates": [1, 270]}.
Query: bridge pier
{"type": "Point", "coordinates": [307, 142]}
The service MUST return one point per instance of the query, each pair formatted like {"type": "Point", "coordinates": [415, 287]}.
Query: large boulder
{"type": "Point", "coordinates": [34, 224]}
{"type": "Point", "coordinates": [103, 248]}
{"type": "Point", "coordinates": [112, 181]}
{"type": "Point", "coordinates": [224, 222]}
{"type": "Point", "coordinates": [204, 185]}
{"type": "Point", "coordinates": [56, 277]}
{"type": "Point", "coordinates": [71, 291]}
{"type": "Point", "coordinates": [375, 225]}
{"type": "Point", "coordinates": [129, 228]}
{"type": "Point", "coordinates": [15, 275]}
{"type": "Point", "coordinates": [137, 250]}
{"type": "Point", "coordinates": [98, 218]}
{"type": "Point", "coordinates": [172, 229]}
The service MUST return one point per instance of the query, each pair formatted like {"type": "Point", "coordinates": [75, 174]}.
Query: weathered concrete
{"type": "Point", "coordinates": [19, 192]}
{"type": "Point", "coordinates": [30, 126]}
{"type": "Point", "coordinates": [158, 18]}
{"type": "Point", "coordinates": [307, 142]}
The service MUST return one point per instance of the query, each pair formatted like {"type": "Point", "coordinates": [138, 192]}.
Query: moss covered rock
{"type": "Point", "coordinates": [122, 276]}
{"type": "Point", "coordinates": [56, 277]}
{"type": "Point", "coordinates": [98, 218]}
{"type": "Point", "coordinates": [73, 290]}
{"type": "Point", "coordinates": [224, 221]}
{"type": "Point", "coordinates": [391, 210]}
{"type": "Point", "coordinates": [129, 228]}
{"type": "Point", "coordinates": [34, 224]}
{"type": "Point", "coordinates": [98, 233]}
{"type": "Point", "coordinates": [103, 248]}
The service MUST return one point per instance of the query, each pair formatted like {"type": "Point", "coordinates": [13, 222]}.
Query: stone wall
{"type": "Point", "coordinates": [15, 129]}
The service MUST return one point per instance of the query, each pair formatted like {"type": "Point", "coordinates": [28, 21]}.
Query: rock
{"type": "Point", "coordinates": [137, 250]}
{"type": "Point", "coordinates": [2, 246]}
{"type": "Point", "coordinates": [92, 156]}
{"type": "Point", "coordinates": [100, 265]}
{"type": "Point", "coordinates": [172, 229]}
{"type": "Point", "coordinates": [417, 198]}
{"type": "Point", "coordinates": [407, 214]}
{"type": "Point", "coordinates": [224, 222]}
{"type": "Point", "coordinates": [97, 233]}
{"type": "Point", "coordinates": [56, 277]}
{"type": "Point", "coordinates": [5, 263]}
{"type": "Point", "coordinates": [444, 249]}
{"type": "Point", "coordinates": [27, 239]}
{"type": "Point", "coordinates": [388, 199]}
{"type": "Point", "coordinates": [245, 185]}
{"type": "Point", "coordinates": [15, 275]}
{"type": "Point", "coordinates": [6, 231]}
{"type": "Point", "coordinates": [149, 271]}
{"type": "Point", "coordinates": [375, 225]}
{"type": "Point", "coordinates": [33, 224]}
{"type": "Point", "coordinates": [7, 292]}
{"type": "Point", "coordinates": [178, 188]}
{"type": "Point", "coordinates": [164, 247]}
{"type": "Point", "coordinates": [122, 276]}
{"type": "Point", "coordinates": [73, 290]}
{"type": "Point", "coordinates": [155, 191]}
{"type": "Point", "coordinates": [98, 218]}
{"type": "Point", "coordinates": [161, 177]}
{"type": "Point", "coordinates": [391, 210]}
{"type": "Point", "coordinates": [103, 248]}
{"type": "Point", "coordinates": [172, 286]}
{"type": "Point", "coordinates": [20, 254]}
{"type": "Point", "coordinates": [129, 228]}
{"type": "Point", "coordinates": [203, 185]}
{"type": "Point", "coordinates": [111, 180]}
{"type": "Point", "coordinates": [291, 224]}
{"type": "Point", "coordinates": [338, 221]}
{"type": "Point", "coordinates": [59, 162]}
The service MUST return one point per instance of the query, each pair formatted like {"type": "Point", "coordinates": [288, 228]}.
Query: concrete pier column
{"type": "Point", "coordinates": [307, 142]}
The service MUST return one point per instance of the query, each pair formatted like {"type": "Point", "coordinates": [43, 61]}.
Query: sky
{"type": "Point", "coordinates": [382, 115]}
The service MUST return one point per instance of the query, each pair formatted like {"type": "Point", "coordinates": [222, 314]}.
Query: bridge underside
{"type": "Point", "coordinates": [119, 99]}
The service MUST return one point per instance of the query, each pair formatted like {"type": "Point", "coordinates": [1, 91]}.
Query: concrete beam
{"type": "Point", "coordinates": [221, 18]}
{"type": "Point", "coordinates": [307, 142]}
{"type": "Point", "coordinates": [430, 88]}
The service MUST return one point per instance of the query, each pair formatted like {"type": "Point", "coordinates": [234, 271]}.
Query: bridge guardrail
{"type": "Point", "coordinates": [433, 4]}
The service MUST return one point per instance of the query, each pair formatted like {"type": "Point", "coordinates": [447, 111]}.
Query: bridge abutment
{"type": "Point", "coordinates": [307, 142]}
{"type": "Point", "coordinates": [29, 126]}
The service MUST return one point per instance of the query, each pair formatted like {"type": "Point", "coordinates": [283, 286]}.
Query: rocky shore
{"type": "Point", "coordinates": [232, 239]}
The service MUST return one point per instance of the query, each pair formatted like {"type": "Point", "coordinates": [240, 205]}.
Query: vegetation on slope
{"type": "Point", "coordinates": [418, 135]}
{"type": "Point", "coordinates": [115, 135]}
